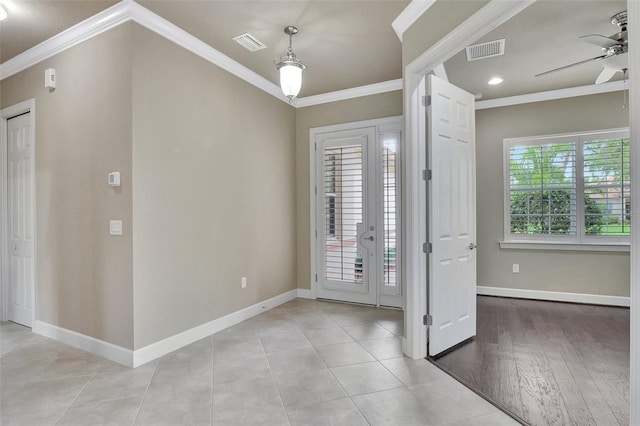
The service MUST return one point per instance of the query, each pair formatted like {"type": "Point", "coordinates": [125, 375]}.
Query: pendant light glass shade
{"type": "Point", "coordinates": [290, 69]}
{"type": "Point", "coordinates": [290, 80]}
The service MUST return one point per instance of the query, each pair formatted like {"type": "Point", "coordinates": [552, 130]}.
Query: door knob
{"type": "Point", "coordinates": [472, 246]}
{"type": "Point", "coordinates": [369, 238]}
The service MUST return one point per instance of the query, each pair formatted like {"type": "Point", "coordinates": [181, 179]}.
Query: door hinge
{"type": "Point", "coordinates": [316, 190]}
{"type": "Point", "coordinates": [427, 320]}
{"type": "Point", "coordinates": [426, 175]}
{"type": "Point", "coordinates": [316, 277]}
{"type": "Point", "coordinates": [426, 100]}
{"type": "Point", "coordinates": [316, 233]}
{"type": "Point", "coordinates": [427, 248]}
{"type": "Point", "coordinates": [315, 146]}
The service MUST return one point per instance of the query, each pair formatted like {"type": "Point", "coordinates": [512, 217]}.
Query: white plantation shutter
{"type": "Point", "coordinates": [607, 184]}
{"type": "Point", "coordinates": [542, 185]}
{"type": "Point", "coordinates": [390, 179]}
{"type": "Point", "coordinates": [573, 188]}
{"type": "Point", "coordinates": [344, 204]}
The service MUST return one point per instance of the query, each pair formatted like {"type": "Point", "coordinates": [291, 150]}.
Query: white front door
{"type": "Point", "coordinates": [452, 215]}
{"type": "Point", "coordinates": [356, 213]}
{"type": "Point", "coordinates": [20, 221]}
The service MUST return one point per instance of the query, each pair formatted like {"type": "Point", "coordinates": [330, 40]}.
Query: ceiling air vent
{"type": "Point", "coordinates": [485, 50]}
{"type": "Point", "coordinates": [249, 42]}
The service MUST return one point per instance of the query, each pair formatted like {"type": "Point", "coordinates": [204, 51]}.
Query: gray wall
{"type": "Point", "coordinates": [565, 271]}
{"type": "Point", "coordinates": [83, 132]}
{"type": "Point", "coordinates": [364, 108]}
{"type": "Point", "coordinates": [214, 191]}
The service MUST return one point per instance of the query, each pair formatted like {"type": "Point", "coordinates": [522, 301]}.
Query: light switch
{"type": "Point", "coordinates": [115, 227]}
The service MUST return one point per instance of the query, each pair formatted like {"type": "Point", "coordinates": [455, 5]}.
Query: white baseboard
{"type": "Point", "coordinates": [86, 343]}
{"type": "Point", "coordinates": [305, 293]}
{"type": "Point", "coordinates": [155, 350]}
{"type": "Point", "coordinates": [556, 296]}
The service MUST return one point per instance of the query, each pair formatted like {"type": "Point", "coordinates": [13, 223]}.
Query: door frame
{"type": "Point", "coordinates": [491, 16]}
{"type": "Point", "coordinates": [28, 106]}
{"type": "Point", "coordinates": [381, 125]}
{"type": "Point", "coordinates": [488, 18]}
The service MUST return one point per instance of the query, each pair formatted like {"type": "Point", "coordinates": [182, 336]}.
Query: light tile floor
{"type": "Point", "coordinates": [304, 363]}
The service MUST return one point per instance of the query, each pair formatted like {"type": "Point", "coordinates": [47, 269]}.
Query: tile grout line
{"type": "Point", "coordinates": [340, 384]}
{"type": "Point", "coordinates": [78, 395]}
{"type": "Point", "coordinates": [155, 369]}
{"type": "Point", "coordinates": [275, 382]}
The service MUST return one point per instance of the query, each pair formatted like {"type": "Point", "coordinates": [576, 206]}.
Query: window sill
{"type": "Point", "coordinates": [556, 245]}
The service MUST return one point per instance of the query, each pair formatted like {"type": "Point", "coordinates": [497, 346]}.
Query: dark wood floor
{"type": "Point", "coordinates": [549, 363]}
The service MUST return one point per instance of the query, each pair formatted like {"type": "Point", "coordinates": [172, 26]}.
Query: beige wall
{"type": "Point", "coordinates": [83, 132]}
{"type": "Point", "coordinates": [438, 21]}
{"type": "Point", "coordinates": [214, 191]}
{"type": "Point", "coordinates": [365, 108]}
{"type": "Point", "coordinates": [565, 271]}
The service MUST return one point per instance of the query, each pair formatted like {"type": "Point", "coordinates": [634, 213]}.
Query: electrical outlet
{"type": "Point", "coordinates": [243, 282]}
{"type": "Point", "coordinates": [516, 268]}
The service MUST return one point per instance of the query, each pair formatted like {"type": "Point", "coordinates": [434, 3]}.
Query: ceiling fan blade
{"type": "Point", "coordinates": [600, 40]}
{"type": "Point", "coordinates": [606, 75]}
{"type": "Point", "coordinates": [597, 58]}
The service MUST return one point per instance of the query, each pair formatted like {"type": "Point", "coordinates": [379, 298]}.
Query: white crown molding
{"type": "Point", "coordinates": [409, 15]}
{"type": "Point", "coordinates": [554, 296]}
{"type": "Point", "coordinates": [91, 27]}
{"type": "Point", "coordinates": [128, 10]}
{"type": "Point", "coordinates": [355, 92]}
{"type": "Point", "coordinates": [440, 72]}
{"type": "Point", "coordinates": [172, 32]}
{"type": "Point", "coordinates": [571, 92]}
{"type": "Point", "coordinates": [491, 16]}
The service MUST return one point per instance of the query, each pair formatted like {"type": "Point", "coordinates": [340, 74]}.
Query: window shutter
{"type": "Point", "coordinates": [607, 187]}
{"type": "Point", "coordinates": [542, 189]}
{"type": "Point", "coordinates": [343, 210]}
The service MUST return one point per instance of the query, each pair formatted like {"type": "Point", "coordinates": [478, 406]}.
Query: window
{"type": "Point", "coordinates": [569, 188]}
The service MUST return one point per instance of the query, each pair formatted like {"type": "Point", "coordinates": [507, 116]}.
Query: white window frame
{"type": "Point", "coordinates": [579, 241]}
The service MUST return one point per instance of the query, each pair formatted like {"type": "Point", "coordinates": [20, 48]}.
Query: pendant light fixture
{"type": "Point", "coordinates": [290, 69]}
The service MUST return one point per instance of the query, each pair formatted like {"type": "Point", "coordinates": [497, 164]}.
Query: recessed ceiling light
{"type": "Point", "coordinates": [495, 80]}
{"type": "Point", "coordinates": [3, 13]}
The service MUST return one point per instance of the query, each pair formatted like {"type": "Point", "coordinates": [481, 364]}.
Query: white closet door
{"type": "Point", "coordinates": [21, 223]}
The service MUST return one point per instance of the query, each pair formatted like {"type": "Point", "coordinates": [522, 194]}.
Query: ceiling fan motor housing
{"type": "Point", "coordinates": [620, 19]}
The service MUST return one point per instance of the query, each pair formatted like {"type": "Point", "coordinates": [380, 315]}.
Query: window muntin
{"type": "Point", "coordinates": [544, 175]}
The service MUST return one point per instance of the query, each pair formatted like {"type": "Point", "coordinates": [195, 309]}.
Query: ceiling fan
{"type": "Point", "coordinates": [615, 48]}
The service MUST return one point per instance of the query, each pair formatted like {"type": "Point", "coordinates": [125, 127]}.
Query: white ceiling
{"type": "Point", "coordinates": [542, 37]}
{"type": "Point", "coordinates": [31, 22]}
{"type": "Point", "coordinates": [344, 44]}
{"type": "Point", "coordinates": [351, 43]}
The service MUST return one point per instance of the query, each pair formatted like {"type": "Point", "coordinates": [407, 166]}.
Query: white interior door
{"type": "Point", "coordinates": [452, 215]}
{"type": "Point", "coordinates": [20, 220]}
